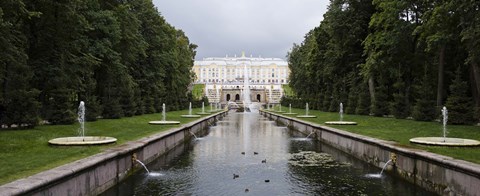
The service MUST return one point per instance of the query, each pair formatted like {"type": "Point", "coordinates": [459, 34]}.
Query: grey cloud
{"type": "Point", "coordinates": [259, 27]}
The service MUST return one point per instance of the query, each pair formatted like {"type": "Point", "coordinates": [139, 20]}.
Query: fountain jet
{"type": "Point", "coordinates": [164, 118]}
{"type": "Point", "coordinates": [306, 113]}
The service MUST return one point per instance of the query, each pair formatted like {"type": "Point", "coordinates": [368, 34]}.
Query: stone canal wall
{"type": "Point", "coordinates": [95, 174]}
{"type": "Point", "coordinates": [437, 173]}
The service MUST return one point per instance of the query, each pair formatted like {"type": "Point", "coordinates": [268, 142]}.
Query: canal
{"type": "Point", "coordinates": [246, 153]}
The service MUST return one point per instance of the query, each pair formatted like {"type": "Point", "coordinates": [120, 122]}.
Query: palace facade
{"type": "Point", "coordinates": [224, 78]}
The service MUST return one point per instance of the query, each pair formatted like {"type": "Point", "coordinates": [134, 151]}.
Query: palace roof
{"type": "Point", "coordinates": [241, 61]}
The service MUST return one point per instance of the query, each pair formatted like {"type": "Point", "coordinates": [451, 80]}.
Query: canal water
{"type": "Point", "coordinates": [247, 154]}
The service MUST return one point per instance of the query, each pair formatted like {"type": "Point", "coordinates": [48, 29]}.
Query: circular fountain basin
{"type": "Point", "coordinates": [164, 122]}
{"type": "Point", "coordinates": [288, 113]}
{"type": "Point", "coordinates": [79, 141]}
{"type": "Point", "coordinates": [306, 116]}
{"type": "Point", "coordinates": [203, 113]}
{"type": "Point", "coordinates": [441, 141]}
{"type": "Point", "coordinates": [190, 116]}
{"type": "Point", "coordinates": [340, 123]}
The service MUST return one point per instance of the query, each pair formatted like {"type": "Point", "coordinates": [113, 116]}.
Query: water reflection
{"type": "Point", "coordinates": [207, 166]}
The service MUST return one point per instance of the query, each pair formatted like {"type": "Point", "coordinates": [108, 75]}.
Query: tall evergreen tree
{"type": "Point", "coordinates": [424, 109]}
{"type": "Point", "coordinates": [363, 106]}
{"type": "Point", "coordinates": [149, 72]}
{"type": "Point", "coordinates": [132, 47]}
{"type": "Point", "coordinates": [352, 100]}
{"type": "Point", "coordinates": [400, 108]}
{"type": "Point", "coordinates": [18, 104]}
{"type": "Point", "coordinates": [55, 52]}
{"type": "Point", "coordinates": [459, 102]}
{"type": "Point", "coordinates": [113, 80]}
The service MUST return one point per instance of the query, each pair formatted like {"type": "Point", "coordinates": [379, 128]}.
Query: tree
{"type": "Point", "coordinates": [131, 47]}
{"type": "Point", "coordinates": [325, 64]}
{"type": "Point", "coordinates": [17, 98]}
{"type": "Point", "coordinates": [390, 50]}
{"type": "Point", "coordinates": [57, 55]}
{"type": "Point", "coordinates": [437, 31]}
{"type": "Point", "coordinates": [470, 25]}
{"type": "Point", "coordinates": [459, 102]}
{"type": "Point", "coordinates": [424, 109]}
{"type": "Point", "coordinates": [352, 100]}
{"type": "Point", "coordinates": [363, 106]}
{"type": "Point", "coordinates": [114, 55]}
{"type": "Point", "coordinates": [114, 83]}
{"type": "Point", "coordinates": [400, 108]}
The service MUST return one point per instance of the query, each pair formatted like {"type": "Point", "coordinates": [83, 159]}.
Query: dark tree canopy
{"type": "Point", "coordinates": [114, 55]}
{"type": "Point", "coordinates": [391, 58]}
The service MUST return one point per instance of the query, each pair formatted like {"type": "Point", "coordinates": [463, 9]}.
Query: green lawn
{"type": "Point", "coordinates": [26, 152]}
{"type": "Point", "coordinates": [401, 131]}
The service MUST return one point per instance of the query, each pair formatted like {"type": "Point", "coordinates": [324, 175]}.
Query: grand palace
{"type": "Point", "coordinates": [224, 78]}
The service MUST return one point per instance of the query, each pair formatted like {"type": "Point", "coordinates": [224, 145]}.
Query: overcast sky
{"type": "Point", "coordinates": [259, 27]}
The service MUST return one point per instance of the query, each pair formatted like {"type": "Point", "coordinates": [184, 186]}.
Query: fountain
{"type": "Point", "coordinates": [445, 120]}
{"type": "Point", "coordinates": [203, 110]}
{"type": "Point", "coordinates": [231, 105]}
{"type": "Point", "coordinates": [164, 121]}
{"type": "Point", "coordinates": [308, 136]}
{"type": "Point", "coordinates": [145, 167]}
{"type": "Point", "coordinates": [217, 93]}
{"type": "Point", "coordinates": [381, 173]}
{"type": "Point", "coordinates": [306, 113]}
{"type": "Point", "coordinates": [82, 139]}
{"type": "Point", "coordinates": [213, 108]}
{"type": "Point", "coordinates": [270, 94]}
{"type": "Point", "coordinates": [445, 141]}
{"type": "Point", "coordinates": [341, 122]}
{"type": "Point", "coordinates": [255, 107]}
{"type": "Point", "coordinates": [308, 167]}
{"type": "Point", "coordinates": [246, 91]}
{"type": "Point", "coordinates": [195, 136]}
{"type": "Point", "coordinates": [290, 110]}
{"type": "Point", "coordinates": [190, 115]}
{"type": "Point", "coordinates": [280, 109]}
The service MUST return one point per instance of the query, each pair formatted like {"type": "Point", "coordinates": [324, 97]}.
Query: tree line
{"type": "Point", "coordinates": [403, 58]}
{"type": "Point", "coordinates": [119, 56]}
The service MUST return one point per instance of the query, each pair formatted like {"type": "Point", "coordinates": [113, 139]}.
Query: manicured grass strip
{"type": "Point", "coordinates": [27, 152]}
{"type": "Point", "coordinates": [402, 130]}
